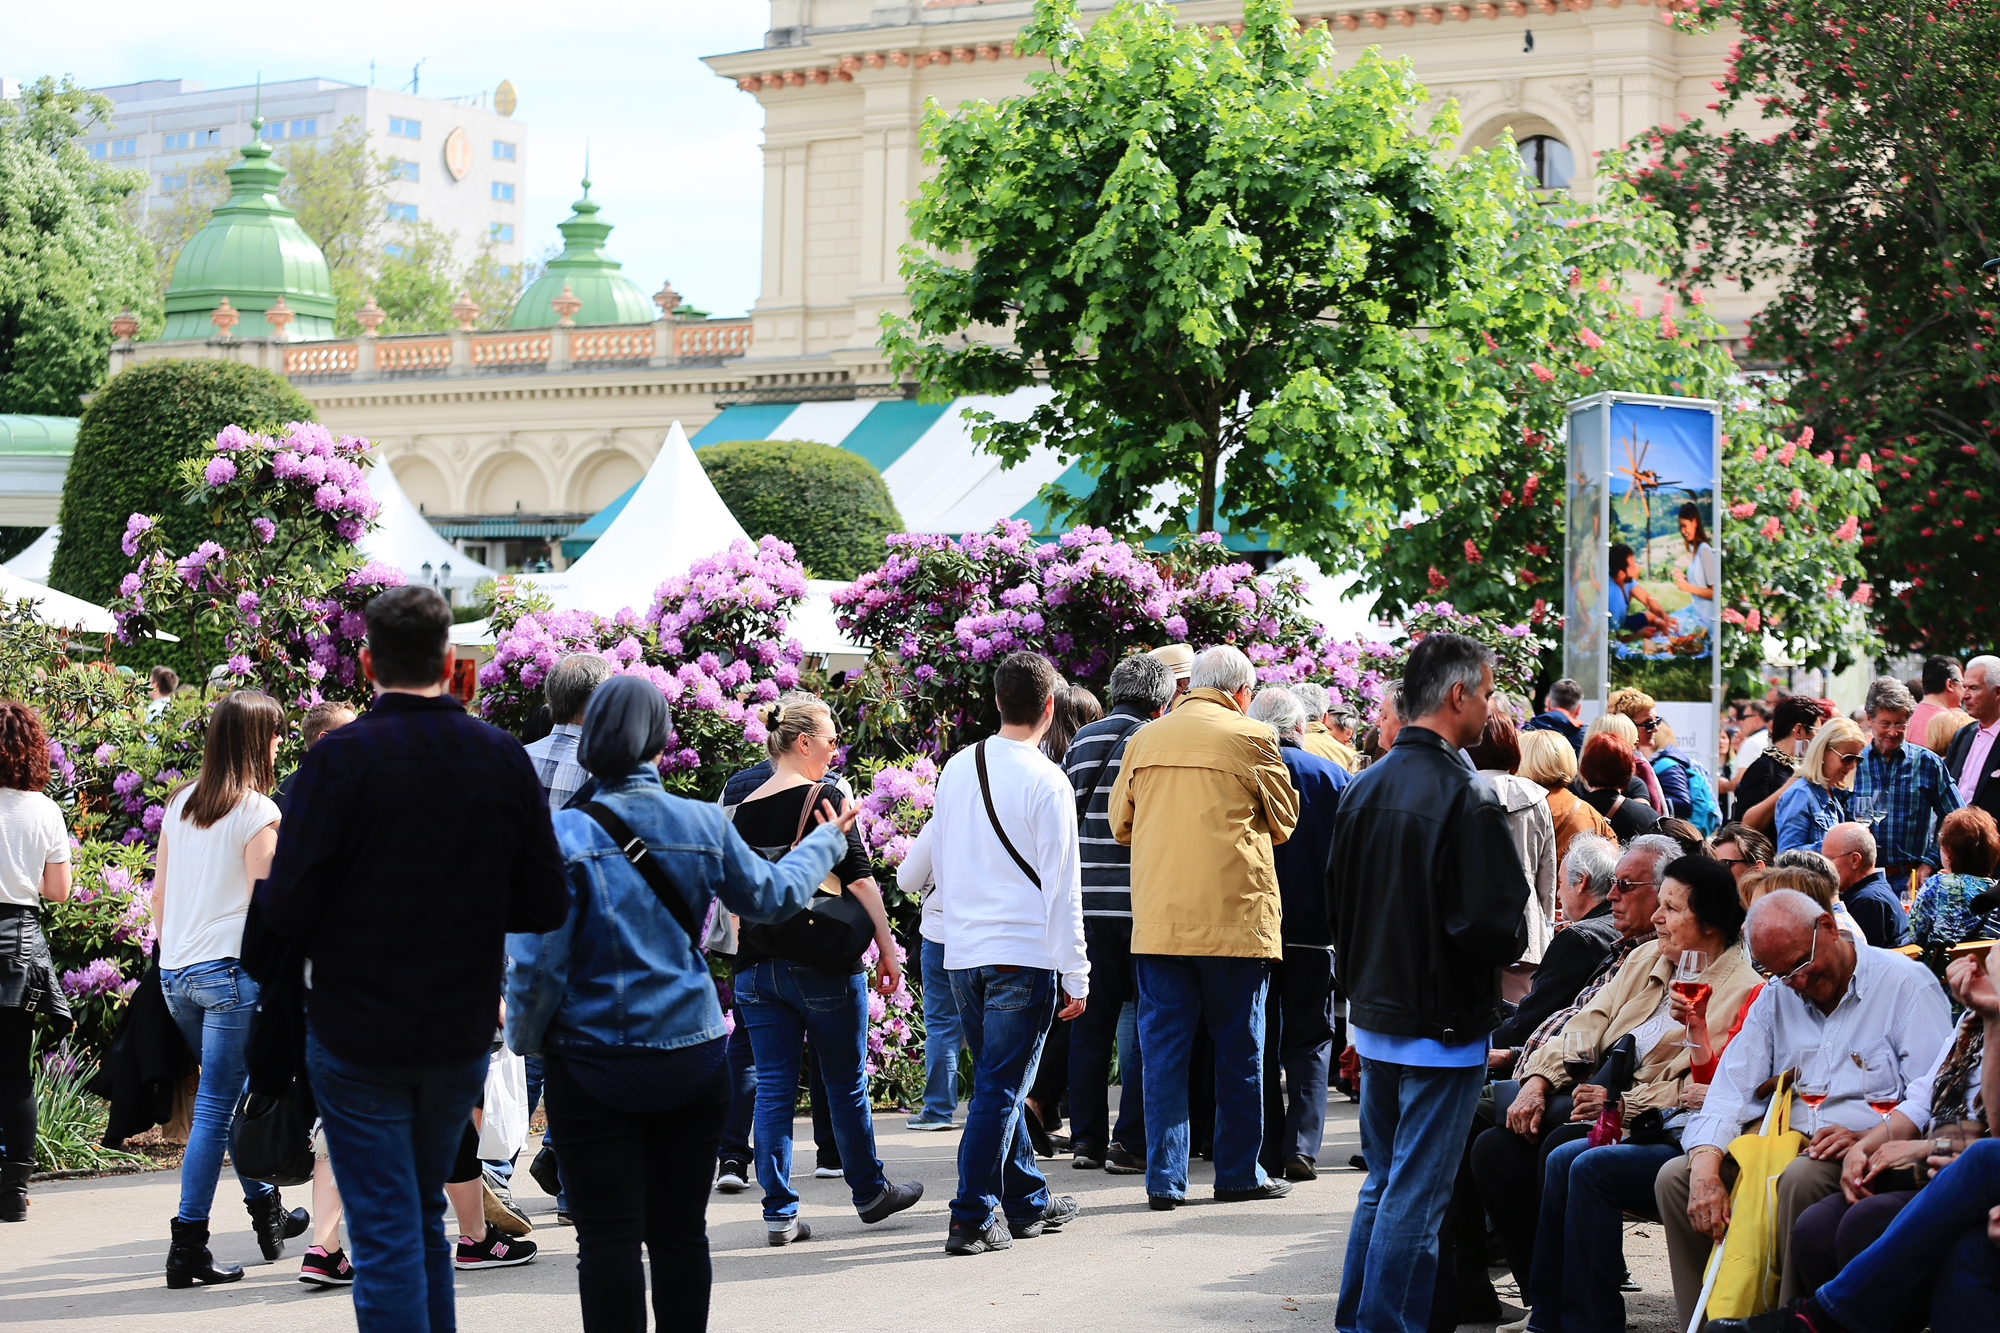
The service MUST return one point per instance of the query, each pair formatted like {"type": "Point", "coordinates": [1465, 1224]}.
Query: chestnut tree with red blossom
{"type": "Point", "coordinates": [1868, 199]}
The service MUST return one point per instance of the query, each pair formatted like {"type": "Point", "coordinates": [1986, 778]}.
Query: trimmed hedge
{"type": "Point", "coordinates": [830, 504]}
{"type": "Point", "coordinates": [135, 431]}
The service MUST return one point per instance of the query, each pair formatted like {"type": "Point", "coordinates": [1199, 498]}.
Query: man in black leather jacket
{"type": "Point", "coordinates": [1428, 900]}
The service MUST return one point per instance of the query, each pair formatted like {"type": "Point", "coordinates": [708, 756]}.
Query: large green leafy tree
{"type": "Point", "coordinates": [1793, 581]}
{"type": "Point", "coordinates": [69, 255]}
{"type": "Point", "coordinates": [1868, 198]}
{"type": "Point", "coordinates": [1243, 272]}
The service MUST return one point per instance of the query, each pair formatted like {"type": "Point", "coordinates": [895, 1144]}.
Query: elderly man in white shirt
{"type": "Point", "coordinates": [1010, 879]}
{"type": "Point", "coordinates": [1839, 1014]}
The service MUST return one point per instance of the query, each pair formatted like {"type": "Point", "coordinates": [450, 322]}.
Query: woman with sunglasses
{"type": "Point", "coordinates": [1808, 808]}
{"type": "Point", "coordinates": [1636, 707]}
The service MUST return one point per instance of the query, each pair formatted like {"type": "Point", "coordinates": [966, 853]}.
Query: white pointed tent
{"type": "Point", "coordinates": [671, 521]}
{"type": "Point", "coordinates": [59, 608]}
{"type": "Point", "coordinates": [32, 561]}
{"type": "Point", "coordinates": [404, 538]}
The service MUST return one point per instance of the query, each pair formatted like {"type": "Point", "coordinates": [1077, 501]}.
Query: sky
{"type": "Point", "coordinates": [674, 149]}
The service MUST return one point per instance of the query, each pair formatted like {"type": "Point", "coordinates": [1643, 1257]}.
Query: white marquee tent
{"type": "Point", "coordinates": [32, 561]}
{"type": "Point", "coordinates": [404, 538]}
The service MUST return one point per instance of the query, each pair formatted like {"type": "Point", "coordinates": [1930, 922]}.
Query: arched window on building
{"type": "Point", "coordinates": [1546, 160]}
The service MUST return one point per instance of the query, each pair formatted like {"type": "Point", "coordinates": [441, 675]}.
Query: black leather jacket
{"type": "Point", "coordinates": [1428, 896]}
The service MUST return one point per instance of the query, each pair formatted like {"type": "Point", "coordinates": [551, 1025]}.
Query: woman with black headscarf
{"type": "Point", "coordinates": [619, 1004]}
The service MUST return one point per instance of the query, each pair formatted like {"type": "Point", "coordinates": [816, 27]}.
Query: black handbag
{"type": "Point", "coordinates": [830, 933]}
{"type": "Point", "coordinates": [270, 1137]}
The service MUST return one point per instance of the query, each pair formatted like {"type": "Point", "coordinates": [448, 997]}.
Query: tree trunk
{"type": "Point", "coordinates": [1205, 508]}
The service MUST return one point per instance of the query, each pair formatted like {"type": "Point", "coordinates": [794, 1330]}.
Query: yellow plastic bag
{"type": "Point", "coordinates": [1747, 1277]}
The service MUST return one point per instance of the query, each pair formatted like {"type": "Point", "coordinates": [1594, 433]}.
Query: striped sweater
{"type": "Point", "coordinates": [1107, 866]}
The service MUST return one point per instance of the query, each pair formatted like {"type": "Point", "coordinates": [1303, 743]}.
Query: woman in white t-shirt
{"type": "Point", "coordinates": [220, 833]}
{"type": "Point", "coordinates": [34, 864]}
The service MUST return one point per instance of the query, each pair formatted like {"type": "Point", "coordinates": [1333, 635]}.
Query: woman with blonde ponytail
{"type": "Point", "coordinates": [783, 1002]}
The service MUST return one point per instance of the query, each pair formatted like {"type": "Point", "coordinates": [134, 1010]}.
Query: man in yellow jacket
{"type": "Point", "coordinates": [1319, 738]}
{"type": "Point", "coordinates": [1201, 796]}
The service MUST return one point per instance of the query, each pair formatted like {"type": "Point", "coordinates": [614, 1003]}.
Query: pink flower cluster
{"type": "Point", "coordinates": [896, 807]}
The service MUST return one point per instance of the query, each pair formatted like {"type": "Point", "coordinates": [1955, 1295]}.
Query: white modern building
{"type": "Point", "coordinates": [459, 162]}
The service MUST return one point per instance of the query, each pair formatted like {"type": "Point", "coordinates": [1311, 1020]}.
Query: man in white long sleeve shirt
{"type": "Point", "coordinates": [1005, 856]}
{"type": "Point", "coordinates": [1843, 1016]}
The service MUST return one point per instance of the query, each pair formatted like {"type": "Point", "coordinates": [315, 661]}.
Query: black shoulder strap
{"type": "Point", "coordinates": [642, 860]}
{"type": "Point", "coordinates": [1089, 789]}
{"type": "Point", "coordinates": [986, 794]}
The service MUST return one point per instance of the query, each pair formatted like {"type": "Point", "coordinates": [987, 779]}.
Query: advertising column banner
{"type": "Point", "coordinates": [1642, 572]}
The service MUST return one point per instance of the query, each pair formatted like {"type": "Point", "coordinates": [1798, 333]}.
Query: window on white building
{"type": "Point", "coordinates": [503, 152]}
{"type": "Point", "coordinates": [121, 148]}
{"type": "Point", "coordinates": [98, 151]}
{"type": "Point", "coordinates": [405, 129]}
{"type": "Point", "coordinates": [206, 138]}
{"type": "Point", "coordinates": [503, 192]}
{"type": "Point", "coordinates": [1546, 160]}
{"type": "Point", "coordinates": [173, 143]}
{"type": "Point", "coordinates": [402, 212]}
{"type": "Point", "coordinates": [504, 233]}
{"type": "Point", "coordinates": [172, 181]}
{"type": "Point", "coordinates": [403, 171]}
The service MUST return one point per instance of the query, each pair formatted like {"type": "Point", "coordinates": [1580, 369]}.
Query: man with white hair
{"type": "Point", "coordinates": [1843, 1017]}
{"type": "Point", "coordinates": [1864, 890]}
{"type": "Point", "coordinates": [1298, 1019]}
{"type": "Point", "coordinates": [1201, 797]}
{"type": "Point", "coordinates": [1317, 737]}
{"type": "Point", "coordinates": [1970, 759]}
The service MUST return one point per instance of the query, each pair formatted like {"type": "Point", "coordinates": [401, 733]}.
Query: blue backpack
{"type": "Point", "coordinates": [1707, 814]}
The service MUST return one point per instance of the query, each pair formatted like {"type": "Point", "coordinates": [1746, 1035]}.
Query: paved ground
{"type": "Point", "coordinates": [92, 1251]}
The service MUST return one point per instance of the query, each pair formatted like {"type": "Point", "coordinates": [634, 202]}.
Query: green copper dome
{"type": "Point", "coordinates": [251, 251]}
{"type": "Point", "coordinates": [593, 278]}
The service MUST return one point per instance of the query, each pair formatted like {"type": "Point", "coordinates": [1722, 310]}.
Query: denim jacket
{"type": "Point", "coordinates": [620, 971]}
{"type": "Point", "coordinates": [1805, 812]}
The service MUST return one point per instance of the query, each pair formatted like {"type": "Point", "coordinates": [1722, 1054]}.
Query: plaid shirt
{"type": "Point", "coordinates": [1914, 787]}
{"type": "Point", "coordinates": [1554, 1022]}
{"type": "Point", "coordinates": [554, 758]}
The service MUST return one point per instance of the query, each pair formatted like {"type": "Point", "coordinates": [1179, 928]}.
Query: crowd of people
{"type": "Point", "coordinates": [1561, 966]}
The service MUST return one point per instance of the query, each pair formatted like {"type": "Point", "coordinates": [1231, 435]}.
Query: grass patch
{"type": "Point", "coordinates": [69, 1127]}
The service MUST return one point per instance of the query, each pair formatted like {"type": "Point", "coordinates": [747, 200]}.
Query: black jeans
{"type": "Point", "coordinates": [1109, 941]}
{"type": "Point", "coordinates": [1298, 1038]}
{"type": "Point", "coordinates": [1509, 1169]}
{"type": "Point", "coordinates": [17, 1084]}
{"type": "Point", "coordinates": [634, 1179]}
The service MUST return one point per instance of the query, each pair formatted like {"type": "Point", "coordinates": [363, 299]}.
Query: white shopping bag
{"type": "Point", "coordinates": [503, 1126]}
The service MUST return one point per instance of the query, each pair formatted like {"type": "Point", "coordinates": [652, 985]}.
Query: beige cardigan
{"type": "Point", "coordinates": [1628, 1000]}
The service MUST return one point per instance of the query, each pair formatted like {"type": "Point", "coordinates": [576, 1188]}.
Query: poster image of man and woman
{"type": "Point", "coordinates": [1656, 593]}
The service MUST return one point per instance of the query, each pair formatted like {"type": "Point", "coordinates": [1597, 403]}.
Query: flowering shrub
{"type": "Point", "coordinates": [714, 641]}
{"type": "Point", "coordinates": [285, 605]}
{"type": "Point", "coordinates": [944, 613]}
{"type": "Point", "coordinates": [101, 940]}
{"type": "Point", "coordinates": [1519, 648]}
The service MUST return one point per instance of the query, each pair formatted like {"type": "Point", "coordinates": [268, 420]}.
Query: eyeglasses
{"type": "Point", "coordinates": [1650, 724]}
{"type": "Point", "coordinates": [1733, 860]}
{"type": "Point", "coordinates": [1785, 978]}
{"type": "Point", "coordinates": [1633, 885]}
{"type": "Point", "coordinates": [1847, 759]}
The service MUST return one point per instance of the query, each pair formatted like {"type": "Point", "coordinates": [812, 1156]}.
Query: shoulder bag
{"type": "Point", "coordinates": [992, 815]}
{"type": "Point", "coordinates": [271, 1137]}
{"type": "Point", "coordinates": [831, 932]}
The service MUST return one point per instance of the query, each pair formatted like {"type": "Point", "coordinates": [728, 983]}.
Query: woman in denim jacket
{"type": "Point", "coordinates": [1816, 799]}
{"type": "Point", "coordinates": [619, 1004]}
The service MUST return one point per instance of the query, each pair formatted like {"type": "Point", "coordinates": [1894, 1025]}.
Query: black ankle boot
{"type": "Point", "coordinates": [273, 1225]}
{"type": "Point", "coordinates": [14, 1190]}
{"type": "Point", "coordinates": [189, 1261]}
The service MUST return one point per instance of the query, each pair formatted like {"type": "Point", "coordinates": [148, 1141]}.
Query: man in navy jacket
{"type": "Point", "coordinates": [415, 841]}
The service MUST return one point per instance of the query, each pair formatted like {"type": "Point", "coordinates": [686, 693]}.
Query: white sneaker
{"type": "Point", "coordinates": [730, 1180]}
{"type": "Point", "coordinates": [828, 1173]}
{"type": "Point", "coordinates": [1518, 1326]}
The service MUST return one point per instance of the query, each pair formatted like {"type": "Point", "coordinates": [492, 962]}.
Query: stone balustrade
{"type": "Point", "coordinates": [664, 343]}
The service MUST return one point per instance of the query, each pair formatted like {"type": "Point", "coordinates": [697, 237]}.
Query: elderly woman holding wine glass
{"type": "Point", "coordinates": [1567, 1257]}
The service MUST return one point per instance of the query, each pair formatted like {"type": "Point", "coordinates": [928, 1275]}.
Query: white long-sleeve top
{"type": "Point", "coordinates": [993, 914]}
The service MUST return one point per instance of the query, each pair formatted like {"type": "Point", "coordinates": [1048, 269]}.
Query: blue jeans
{"type": "Point", "coordinates": [1414, 1121]}
{"type": "Point", "coordinates": [212, 1003]}
{"type": "Point", "coordinates": [1580, 1237]}
{"type": "Point", "coordinates": [1005, 1013]}
{"type": "Point", "coordinates": [943, 1035]}
{"type": "Point", "coordinates": [784, 1003]}
{"type": "Point", "coordinates": [1174, 994]}
{"type": "Point", "coordinates": [1938, 1241]}
{"type": "Point", "coordinates": [742, 1076]}
{"type": "Point", "coordinates": [392, 1134]}
{"type": "Point", "coordinates": [1298, 1038]}
{"type": "Point", "coordinates": [1109, 942]}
